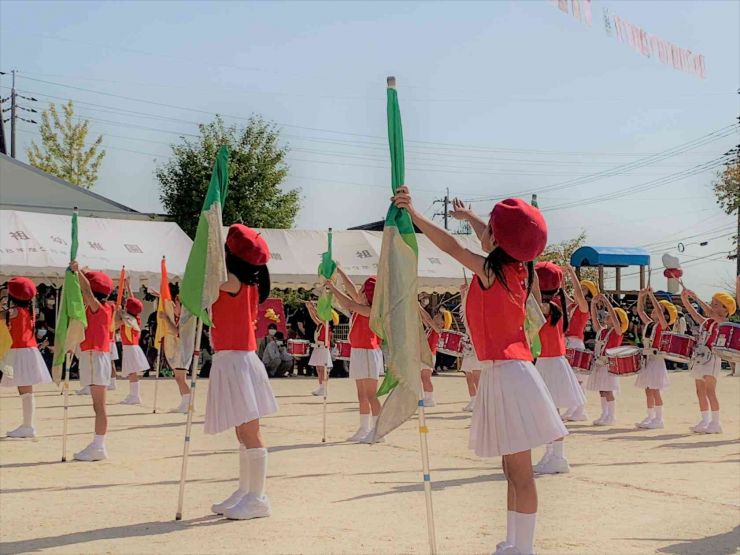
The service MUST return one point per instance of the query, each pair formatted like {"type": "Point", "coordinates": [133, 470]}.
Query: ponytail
{"type": "Point", "coordinates": [558, 311]}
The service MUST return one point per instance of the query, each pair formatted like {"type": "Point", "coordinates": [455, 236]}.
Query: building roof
{"type": "Point", "coordinates": [375, 226]}
{"type": "Point", "coordinates": [30, 189]}
{"type": "Point", "coordinates": [610, 256]}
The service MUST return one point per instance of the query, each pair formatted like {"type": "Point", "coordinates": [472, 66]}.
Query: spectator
{"type": "Point", "coordinates": [45, 339]}
{"type": "Point", "coordinates": [271, 331]}
{"type": "Point", "coordinates": [298, 331]}
{"type": "Point", "coordinates": [276, 358]}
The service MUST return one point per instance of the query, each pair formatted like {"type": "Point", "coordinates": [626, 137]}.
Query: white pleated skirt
{"type": "Point", "coordinates": [601, 380]}
{"type": "Point", "coordinates": [712, 367]}
{"type": "Point", "coordinates": [28, 367]}
{"type": "Point", "coordinates": [320, 356]}
{"type": "Point", "coordinates": [654, 375]}
{"type": "Point", "coordinates": [113, 351]}
{"type": "Point", "coordinates": [561, 382]}
{"type": "Point", "coordinates": [470, 363]}
{"type": "Point", "coordinates": [134, 361]}
{"type": "Point", "coordinates": [365, 364]}
{"type": "Point", "coordinates": [94, 367]}
{"type": "Point", "coordinates": [238, 391]}
{"type": "Point", "coordinates": [575, 343]}
{"type": "Point", "coordinates": [513, 410]}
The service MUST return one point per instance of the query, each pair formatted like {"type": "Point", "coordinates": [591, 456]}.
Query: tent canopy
{"type": "Point", "coordinates": [37, 246]}
{"type": "Point", "coordinates": [610, 256]}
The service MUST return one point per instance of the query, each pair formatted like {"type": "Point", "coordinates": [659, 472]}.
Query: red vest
{"type": "Point", "coordinates": [134, 340]}
{"type": "Point", "coordinates": [97, 333]}
{"type": "Point", "coordinates": [234, 320]}
{"type": "Point", "coordinates": [433, 339]}
{"type": "Point", "coordinates": [496, 317]}
{"type": "Point", "coordinates": [577, 323]}
{"type": "Point", "coordinates": [21, 329]}
{"type": "Point", "coordinates": [552, 339]}
{"type": "Point", "coordinates": [657, 336]}
{"type": "Point", "coordinates": [710, 330]}
{"type": "Point", "coordinates": [613, 339]}
{"type": "Point", "coordinates": [360, 334]}
{"type": "Point", "coordinates": [321, 335]}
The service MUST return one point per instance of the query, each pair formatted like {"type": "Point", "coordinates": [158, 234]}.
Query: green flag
{"type": "Point", "coordinates": [71, 320]}
{"type": "Point", "coordinates": [326, 271]}
{"type": "Point", "coordinates": [395, 311]}
{"type": "Point", "coordinates": [206, 267]}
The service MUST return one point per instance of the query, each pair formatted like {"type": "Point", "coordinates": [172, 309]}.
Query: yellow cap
{"type": "Point", "coordinates": [334, 317]}
{"type": "Point", "coordinates": [727, 301]}
{"type": "Point", "coordinates": [672, 311]}
{"type": "Point", "coordinates": [623, 320]}
{"type": "Point", "coordinates": [447, 315]}
{"type": "Point", "coordinates": [591, 286]}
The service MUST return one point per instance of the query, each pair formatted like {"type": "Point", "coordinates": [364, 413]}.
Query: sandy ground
{"type": "Point", "coordinates": [630, 491]}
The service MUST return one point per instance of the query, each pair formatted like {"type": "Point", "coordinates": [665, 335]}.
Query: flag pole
{"type": "Point", "coordinates": [327, 371]}
{"type": "Point", "coordinates": [65, 392]}
{"type": "Point", "coordinates": [157, 366]}
{"type": "Point", "coordinates": [423, 431]}
{"type": "Point", "coordinates": [189, 426]}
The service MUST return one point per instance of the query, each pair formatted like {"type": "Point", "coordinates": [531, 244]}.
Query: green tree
{"type": "Point", "coordinates": [727, 192]}
{"type": "Point", "coordinates": [256, 170]}
{"type": "Point", "coordinates": [63, 152]}
{"type": "Point", "coordinates": [560, 254]}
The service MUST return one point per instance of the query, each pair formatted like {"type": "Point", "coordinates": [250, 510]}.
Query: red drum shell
{"type": "Point", "coordinates": [624, 361]}
{"type": "Point", "coordinates": [727, 344]}
{"type": "Point", "coordinates": [451, 343]}
{"type": "Point", "coordinates": [676, 347]}
{"type": "Point", "coordinates": [580, 360]}
{"type": "Point", "coordinates": [298, 347]}
{"type": "Point", "coordinates": [344, 350]}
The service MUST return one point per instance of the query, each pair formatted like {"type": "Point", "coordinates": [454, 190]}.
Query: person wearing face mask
{"type": "Point", "coordinates": [45, 339]}
{"type": "Point", "coordinates": [266, 340]}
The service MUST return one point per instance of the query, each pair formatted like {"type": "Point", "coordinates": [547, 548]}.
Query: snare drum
{"type": "Point", "coordinates": [344, 349]}
{"type": "Point", "coordinates": [624, 361]}
{"type": "Point", "coordinates": [727, 344]}
{"type": "Point", "coordinates": [676, 347]}
{"type": "Point", "coordinates": [580, 360]}
{"type": "Point", "coordinates": [451, 343]}
{"type": "Point", "coordinates": [298, 347]}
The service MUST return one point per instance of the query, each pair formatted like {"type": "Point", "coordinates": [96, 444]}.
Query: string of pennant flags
{"type": "Point", "coordinates": [634, 36]}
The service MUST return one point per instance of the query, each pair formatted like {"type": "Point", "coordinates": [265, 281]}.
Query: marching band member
{"type": "Point", "coordinates": [113, 358]}
{"type": "Point", "coordinates": [134, 362]}
{"type": "Point", "coordinates": [434, 326]}
{"type": "Point", "coordinates": [583, 293]}
{"type": "Point", "coordinates": [366, 358]}
{"type": "Point", "coordinates": [179, 343]}
{"type": "Point", "coordinates": [321, 354]}
{"type": "Point", "coordinates": [24, 357]}
{"type": "Point", "coordinates": [705, 365]}
{"type": "Point", "coordinates": [94, 355]}
{"type": "Point", "coordinates": [654, 376]}
{"type": "Point", "coordinates": [513, 411]}
{"type": "Point", "coordinates": [470, 366]}
{"type": "Point", "coordinates": [609, 335]}
{"type": "Point", "coordinates": [552, 365]}
{"type": "Point", "coordinates": [239, 392]}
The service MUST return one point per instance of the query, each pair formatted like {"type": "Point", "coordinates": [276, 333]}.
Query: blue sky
{"type": "Point", "coordinates": [497, 98]}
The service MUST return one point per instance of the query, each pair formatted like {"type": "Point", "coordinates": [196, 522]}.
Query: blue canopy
{"type": "Point", "coordinates": [610, 256]}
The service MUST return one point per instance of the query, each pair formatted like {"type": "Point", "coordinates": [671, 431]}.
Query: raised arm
{"type": "Point", "coordinates": [686, 296]}
{"type": "Point", "coordinates": [577, 291]}
{"type": "Point", "coordinates": [349, 303]}
{"type": "Point", "coordinates": [614, 322]}
{"type": "Point", "coordinates": [461, 212]}
{"type": "Point", "coordinates": [661, 318]}
{"type": "Point", "coordinates": [349, 286]}
{"type": "Point", "coordinates": [87, 294]}
{"type": "Point", "coordinates": [595, 313]}
{"type": "Point", "coordinates": [313, 313]}
{"type": "Point", "coordinates": [428, 320]}
{"type": "Point", "coordinates": [641, 307]}
{"type": "Point", "coordinates": [442, 239]}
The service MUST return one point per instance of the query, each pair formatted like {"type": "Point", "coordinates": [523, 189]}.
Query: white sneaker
{"type": "Point", "coordinates": [542, 462]}
{"type": "Point", "coordinates": [22, 431]}
{"type": "Point", "coordinates": [507, 549]}
{"type": "Point", "coordinates": [582, 417]}
{"type": "Point", "coordinates": [654, 424]}
{"type": "Point", "coordinates": [250, 506]}
{"type": "Point", "coordinates": [358, 435]}
{"type": "Point", "coordinates": [319, 391]}
{"type": "Point", "coordinates": [367, 438]}
{"type": "Point", "coordinates": [429, 403]}
{"type": "Point", "coordinates": [554, 465]}
{"type": "Point", "coordinates": [600, 420]}
{"type": "Point", "coordinates": [609, 421]}
{"type": "Point", "coordinates": [714, 427]}
{"type": "Point", "coordinates": [182, 408]}
{"type": "Point", "coordinates": [112, 386]}
{"type": "Point", "coordinates": [83, 390]}
{"type": "Point", "coordinates": [228, 503]}
{"type": "Point", "coordinates": [644, 423]}
{"type": "Point", "coordinates": [469, 406]}
{"type": "Point", "coordinates": [700, 428]}
{"type": "Point", "coordinates": [132, 400]}
{"type": "Point", "coordinates": [91, 453]}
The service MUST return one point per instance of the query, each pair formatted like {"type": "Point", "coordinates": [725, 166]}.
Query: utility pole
{"type": "Point", "coordinates": [14, 107]}
{"type": "Point", "coordinates": [446, 208]}
{"type": "Point", "coordinates": [12, 115]}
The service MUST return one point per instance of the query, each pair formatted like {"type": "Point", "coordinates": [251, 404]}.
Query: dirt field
{"type": "Point", "coordinates": [630, 491]}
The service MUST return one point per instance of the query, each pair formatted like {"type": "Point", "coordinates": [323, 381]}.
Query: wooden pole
{"type": "Point", "coordinates": [65, 391]}
{"type": "Point", "coordinates": [619, 283]}
{"type": "Point", "coordinates": [601, 278]}
{"type": "Point", "coordinates": [157, 366]}
{"type": "Point", "coordinates": [423, 431]}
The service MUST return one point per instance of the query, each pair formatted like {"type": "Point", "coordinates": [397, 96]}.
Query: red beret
{"type": "Point", "coordinates": [134, 306]}
{"type": "Point", "coordinates": [248, 245]}
{"type": "Point", "coordinates": [550, 276]}
{"type": "Point", "coordinates": [21, 288]}
{"type": "Point", "coordinates": [100, 283]}
{"type": "Point", "coordinates": [519, 229]}
{"type": "Point", "coordinates": [369, 288]}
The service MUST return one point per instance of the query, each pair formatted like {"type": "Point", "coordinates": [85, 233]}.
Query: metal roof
{"type": "Point", "coordinates": [610, 256]}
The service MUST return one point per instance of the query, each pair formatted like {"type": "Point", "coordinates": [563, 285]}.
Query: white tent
{"type": "Point", "coordinates": [37, 246]}
{"type": "Point", "coordinates": [296, 256]}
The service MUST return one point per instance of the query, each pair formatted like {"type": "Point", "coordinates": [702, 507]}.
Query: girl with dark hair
{"type": "Point", "coordinates": [513, 411]}
{"type": "Point", "coordinates": [239, 392]}
{"type": "Point", "coordinates": [321, 354]}
{"type": "Point", "coordinates": [24, 357]}
{"type": "Point", "coordinates": [552, 365]}
{"type": "Point", "coordinates": [134, 361]}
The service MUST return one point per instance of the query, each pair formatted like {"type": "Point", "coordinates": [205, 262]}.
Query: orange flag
{"type": "Point", "coordinates": [164, 295]}
{"type": "Point", "coordinates": [121, 285]}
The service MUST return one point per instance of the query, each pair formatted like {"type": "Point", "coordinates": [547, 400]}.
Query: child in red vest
{"type": "Point", "coordinates": [434, 326]}
{"type": "Point", "coordinates": [239, 392]}
{"type": "Point", "coordinates": [321, 354]}
{"type": "Point", "coordinates": [470, 366]}
{"type": "Point", "coordinates": [24, 357]}
{"type": "Point", "coordinates": [513, 411]}
{"type": "Point", "coordinates": [134, 361]}
{"type": "Point", "coordinates": [94, 355]}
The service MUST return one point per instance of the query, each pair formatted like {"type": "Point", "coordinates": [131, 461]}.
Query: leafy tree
{"type": "Point", "coordinates": [63, 152]}
{"type": "Point", "coordinates": [560, 254]}
{"type": "Point", "coordinates": [256, 170]}
{"type": "Point", "coordinates": [727, 190]}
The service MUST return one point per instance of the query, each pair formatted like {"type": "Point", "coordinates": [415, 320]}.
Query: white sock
{"type": "Point", "coordinates": [658, 412]}
{"type": "Point", "coordinates": [715, 416]}
{"type": "Point", "coordinates": [257, 470]}
{"type": "Point", "coordinates": [186, 399]}
{"type": "Point", "coordinates": [558, 448]}
{"type": "Point", "coordinates": [365, 422]}
{"type": "Point", "coordinates": [604, 406]}
{"type": "Point", "coordinates": [113, 379]}
{"type": "Point", "coordinates": [98, 441]}
{"type": "Point", "coordinates": [548, 449]}
{"type": "Point", "coordinates": [579, 410]}
{"type": "Point", "coordinates": [611, 409]}
{"type": "Point", "coordinates": [133, 389]}
{"type": "Point", "coordinates": [374, 421]}
{"type": "Point", "coordinates": [651, 413]}
{"type": "Point", "coordinates": [243, 469]}
{"type": "Point", "coordinates": [525, 525]}
{"type": "Point", "coordinates": [27, 401]}
{"type": "Point", "coordinates": [472, 398]}
{"type": "Point", "coordinates": [705, 416]}
{"type": "Point", "coordinates": [510, 527]}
